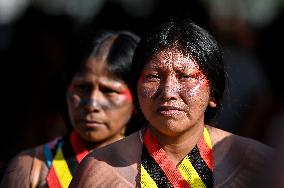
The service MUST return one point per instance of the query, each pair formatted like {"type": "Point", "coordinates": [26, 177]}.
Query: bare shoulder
{"type": "Point", "coordinates": [27, 168]}
{"type": "Point", "coordinates": [114, 165]}
{"type": "Point", "coordinates": [124, 150]}
{"type": "Point", "coordinates": [238, 160]}
{"type": "Point", "coordinates": [18, 170]}
{"type": "Point", "coordinates": [226, 139]}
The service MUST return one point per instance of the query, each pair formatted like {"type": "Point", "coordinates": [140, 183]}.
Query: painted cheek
{"type": "Point", "coordinates": [201, 78]}
{"type": "Point", "coordinates": [122, 99]}
{"type": "Point", "coordinates": [192, 89]}
{"type": "Point", "coordinates": [106, 104]}
{"type": "Point", "coordinates": [126, 95]}
{"type": "Point", "coordinates": [96, 103]}
{"type": "Point", "coordinates": [74, 99]}
{"type": "Point", "coordinates": [147, 89]}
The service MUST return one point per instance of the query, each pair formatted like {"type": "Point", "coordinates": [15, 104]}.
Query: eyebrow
{"type": "Point", "coordinates": [115, 84]}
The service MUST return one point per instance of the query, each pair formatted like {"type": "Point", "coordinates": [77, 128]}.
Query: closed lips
{"type": "Point", "coordinates": [169, 108]}
{"type": "Point", "coordinates": [91, 121]}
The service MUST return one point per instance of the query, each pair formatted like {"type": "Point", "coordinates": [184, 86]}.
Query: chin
{"type": "Point", "coordinates": [171, 128]}
{"type": "Point", "coordinates": [93, 137]}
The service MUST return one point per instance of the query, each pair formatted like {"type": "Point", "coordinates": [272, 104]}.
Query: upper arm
{"type": "Point", "coordinates": [96, 173]}
{"type": "Point", "coordinates": [18, 171]}
{"type": "Point", "coordinates": [83, 174]}
{"type": "Point", "coordinates": [109, 166]}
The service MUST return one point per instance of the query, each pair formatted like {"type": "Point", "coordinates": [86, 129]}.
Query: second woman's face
{"type": "Point", "coordinates": [173, 93]}
{"type": "Point", "coordinates": [99, 105]}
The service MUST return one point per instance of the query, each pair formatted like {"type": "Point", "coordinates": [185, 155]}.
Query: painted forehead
{"type": "Point", "coordinates": [175, 58]}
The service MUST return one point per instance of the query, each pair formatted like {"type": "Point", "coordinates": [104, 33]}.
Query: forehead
{"type": "Point", "coordinates": [97, 69]}
{"type": "Point", "coordinates": [172, 58]}
{"type": "Point", "coordinates": [95, 66]}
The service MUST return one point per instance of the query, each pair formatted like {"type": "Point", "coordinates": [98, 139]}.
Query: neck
{"type": "Point", "coordinates": [94, 145]}
{"type": "Point", "coordinates": [178, 146]}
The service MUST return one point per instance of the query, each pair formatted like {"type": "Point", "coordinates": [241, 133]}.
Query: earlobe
{"type": "Point", "coordinates": [212, 104]}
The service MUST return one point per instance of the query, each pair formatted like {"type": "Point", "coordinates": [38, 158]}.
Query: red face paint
{"type": "Point", "coordinates": [127, 95]}
{"type": "Point", "coordinates": [172, 91]}
{"type": "Point", "coordinates": [99, 104]}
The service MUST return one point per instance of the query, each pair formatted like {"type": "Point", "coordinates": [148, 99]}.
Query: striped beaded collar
{"type": "Point", "coordinates": [195, 170]}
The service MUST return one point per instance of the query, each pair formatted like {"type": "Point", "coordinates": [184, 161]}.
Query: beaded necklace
{"type": "Point", "coordinates": [64, 159]}
{"type": "Point", "coordinates": [195, 170]}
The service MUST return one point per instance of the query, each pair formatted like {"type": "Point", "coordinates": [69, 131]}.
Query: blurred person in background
{"type": "Point", "coordinates": [97, 107]}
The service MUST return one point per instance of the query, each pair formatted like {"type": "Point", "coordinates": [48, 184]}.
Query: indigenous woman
{"type": "Point", "coordinates": [178, 82]}
{"type": "Point", "coordinates": [98, 111]}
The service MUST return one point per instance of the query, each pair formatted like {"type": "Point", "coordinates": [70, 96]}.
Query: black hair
{"type": "Point", "coordinates": [118, 62]}
{"type": "Point", "coordinates": [190, 39]}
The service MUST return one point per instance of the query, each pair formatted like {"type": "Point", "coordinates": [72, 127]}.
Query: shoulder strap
{"type": "Point", "coordinates": [36, 167]}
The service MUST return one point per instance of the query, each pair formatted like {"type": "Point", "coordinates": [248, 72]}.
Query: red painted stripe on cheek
{"type": "Point", "coordinates": [201, 78]}
{"type": "Point", "coordinates": [204, 81]}
{"type": "Point", "coordinates": [127, 95]}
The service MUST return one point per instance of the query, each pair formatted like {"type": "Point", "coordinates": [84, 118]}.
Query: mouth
{"type": "Point", "coordinates": [169, 110]}
{"type": "Point", "coordinates": [92, 123]}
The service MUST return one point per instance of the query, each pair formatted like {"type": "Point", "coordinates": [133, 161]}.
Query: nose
{"type": "Point", "coordinates": [92, 102]}
{"type": "Point", "coordinates": [169, 89]}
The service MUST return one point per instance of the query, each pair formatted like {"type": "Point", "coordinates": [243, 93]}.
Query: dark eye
{"type": "Point", "coordinates": [108, 90]}
{"type": "Point", "coordinates": [152, 76]}
{"type": "Point", "coordinates": [192, 76]}
{"type": "Point", "coordinates": [185, 76]}
{"type": "Point", "coordinates": [82, 88]}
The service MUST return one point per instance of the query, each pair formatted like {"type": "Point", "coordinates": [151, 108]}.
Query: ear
{"type": "Point", "coordinates": [212, 103]}
{"type": "Point", "coordinates": [212, 99]}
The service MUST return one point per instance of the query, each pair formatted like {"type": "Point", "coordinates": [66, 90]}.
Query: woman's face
{"type": "Point", "coordinates": [173, 93]}
{"type": "Point", "coordinates": [99, 106]}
